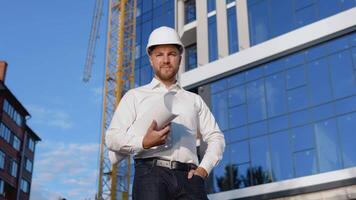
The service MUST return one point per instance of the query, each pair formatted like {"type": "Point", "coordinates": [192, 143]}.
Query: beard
{"type": "Point", "coordinates": [167, 73]}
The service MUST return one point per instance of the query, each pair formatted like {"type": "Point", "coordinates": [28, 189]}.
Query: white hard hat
{"type": "Point", "coordinates": [164, 35]}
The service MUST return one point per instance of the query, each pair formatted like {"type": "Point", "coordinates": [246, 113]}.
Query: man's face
{"type": "Point", "coordinates": [165, 60]}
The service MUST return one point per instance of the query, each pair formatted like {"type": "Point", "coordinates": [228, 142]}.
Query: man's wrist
{"type": "Point", "coordinates": [201, 172]}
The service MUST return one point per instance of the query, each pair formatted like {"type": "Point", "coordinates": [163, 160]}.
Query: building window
{"type": "Point", "coordinates": [28, 165]}
{"type": "Point", "coordinates": [291, 117]}
{"type": "Point", "coordinates": [213, 40]}
{"type": "Point", "coordinates": [190, 57]}
{"type": "Point", "coordinates": [5, 132]}
{"type": "Point", "coordinates": [2, 190]}
{"type": "Point", "coordinates": [31, 144]}
{"type": "Point", "coordinates": [211, 5]}
{"type": "Point", "coordinates": [189, 11]}
{"type": "Point", "coordinates": [13, 168]}
{"type": "Point", "coordinates": [268, 19]}
{"type": "Point", "coordinates": [7, 107]}
{"type": "Point", "coordinates": [232, 30]}
{"type": "Point", "coordinates": [2, 160]}
{"type": "Point", "coordinates": [16, 143]}
{"type": "Point", "coordinates": [25, 186]}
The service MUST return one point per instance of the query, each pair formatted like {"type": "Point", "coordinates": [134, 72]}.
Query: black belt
{"type": "Point", "coordinates": [166, 163]}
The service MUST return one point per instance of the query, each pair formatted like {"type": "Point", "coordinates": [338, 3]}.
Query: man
{"type": "Point", "coordinates": [166, 171]}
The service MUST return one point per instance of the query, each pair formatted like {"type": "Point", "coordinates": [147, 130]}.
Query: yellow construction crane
{"type": "Point", "coordinates": [114, 180]}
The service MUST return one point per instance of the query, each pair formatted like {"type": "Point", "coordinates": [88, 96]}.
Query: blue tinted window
{"type": "Point", "coordinates": [219, 109]}
{"type": "Point", "coordinates": [221, 171]}
{"type": "Point", "coordinates": [327, 145]}
{"type": "Point", "coordinates": [278, 123]}
{"type": "Point", "coordinates": [305, 15]}
{"type": "Point", "coordinates": [211, 5]}
{"type": "Point", "coordinates": [258, 22]}
{"type": "Point", "coordinates": [146, 74]}
{"type": "Point", "coordinates": [232, 30]}
{"type": "Point", "coordinates": [347, 127]}
{"type": "Point", "coordinates": [319, 81]}
{"type": "Point", "coordinates": [190, 57]}
{"type": "Point", "coordinates": [239, 152]}
{"type": "Point", "coordinates": [316, 52]}
{"type": "Point", "coordinates": [322, 112]}
{"type": "Point", "coordinates": [303, 3]}
{"type": "Point", "coordinates": [237, 96]}
{"type": "Point", "coordinates": [294, 60]}
{"type": "Point", "coordinates": [256, 101]}
{"type": "Point", "coordinates": [305, 163]}
{"type": "Point", "coordinates": [274, 67]}
{"type": "Point", "coordinates": [218, 86]}
{"type": "Point", "coordinates": [253, 74]}
{"type": "Point", "coordinates": [189, 11]}
{"type": "Point", "coordinates": [328, 8]}
{"type": "Point", "coordinates": [346, 105]}
{"type": "Point", "coordinates": [237, 116]}
{"type": "Point", "coordinates": [236, 79]}
{"type": "Point", "coordinates": [299, 118]}
{"type": "Point", "coordinates": [258, 128]}
{"type": "Point", "coordinates": [337, 45]}
{"type": "Point", "coordinates": [281, 156]}
{"type": "Point", "coordinates": [354, 56]}
{"type": "Point", "coordinates": [243, 175]}
{"type": "Point", "coordinates": [212, 36]}
{"type": "Point", "coordinates": [275, 94]}
{"type": "Point", "coordinates": [296, 77]}
{"type": "Point", "coordinates": [347, 4]}
{"type": "Point", "coordinates": [236, 134]}
{"type": "Point", "coordinates": [352, 39]}
{"type": "Point", "coordinates": [302, 138]}
{"type": "Point", "coordinates": [260, 156]}
{"type": "Point", "coordinates": [297, 98]}
{"type": "Point", "coordinates": [146, 6]}
{"type": "Point", "coordinates": [281, 18]}
{"type": "Point", "coordinates": [342, 74]}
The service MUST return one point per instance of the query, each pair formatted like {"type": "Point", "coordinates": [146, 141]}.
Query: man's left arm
{"type": "Point", "coordinates": [212, 135]}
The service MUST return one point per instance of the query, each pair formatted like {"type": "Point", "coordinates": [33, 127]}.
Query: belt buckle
{"type": "Point", "coordinates": [164, 163]}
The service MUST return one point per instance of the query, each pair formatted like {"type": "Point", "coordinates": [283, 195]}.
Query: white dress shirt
{"type": "Point", "coordinates": [181, 145]}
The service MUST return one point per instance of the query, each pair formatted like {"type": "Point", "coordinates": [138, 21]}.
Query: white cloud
{"type": "Point", "coordinates": [98, 94]}
{"type": "Point", "coordinates": [49, 117]}
{"type": "Point", "coordinates": [67, 170]}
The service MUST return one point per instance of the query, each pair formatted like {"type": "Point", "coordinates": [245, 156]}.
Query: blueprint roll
{"type": "Point", "coordinates": [163, 112]}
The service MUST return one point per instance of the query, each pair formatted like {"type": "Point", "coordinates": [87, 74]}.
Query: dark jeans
{"type": "Point", "coordinates": [159, 183]}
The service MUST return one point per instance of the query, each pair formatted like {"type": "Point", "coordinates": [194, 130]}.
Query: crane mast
{"type": "Point", "coordinates": [114, 180]}
{"type": "Point", "coordinates": [94, 36]}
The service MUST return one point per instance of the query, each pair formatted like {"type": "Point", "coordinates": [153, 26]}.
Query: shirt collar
{"type": "Point", "coordinates": [155, 83]}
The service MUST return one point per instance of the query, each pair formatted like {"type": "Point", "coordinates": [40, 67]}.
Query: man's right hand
{"type": "Point", "coordinates": [155, 137]}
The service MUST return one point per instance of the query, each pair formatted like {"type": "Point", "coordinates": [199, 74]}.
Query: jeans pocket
{"type": "Point", "coordinates": [142, 169]}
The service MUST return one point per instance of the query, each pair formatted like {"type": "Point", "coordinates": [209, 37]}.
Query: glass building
{"type": "Point", "coordinates": [280, 79]}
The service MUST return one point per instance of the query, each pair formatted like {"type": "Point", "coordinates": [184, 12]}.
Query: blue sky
{"type": "Point", "coordinates": [45, 43]}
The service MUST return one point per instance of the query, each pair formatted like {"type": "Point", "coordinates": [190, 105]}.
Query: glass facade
{"type": "Point", "coordinates": [10, 110]}
{"type": "Point", "coordinates": [191, 60]}
{"type": "Point", "coordinates": [211, 5]}
{"type": "Point", "coordinates": [288, 118]}
{"type": "Point", "coordinates": [232, 30]}
{"type": "Point", "coordinates": [189, 11]}
{"type": "Point", "coordinates": [2, 160]}
{"type": "Point", "coordinates": [151, 15]}
{"type": "Point", "coordinates": [271, 18]}
{"type": "Point", "coordinates": [5, 132]}
{"type": "Point", "coordinates": [212, 38]}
